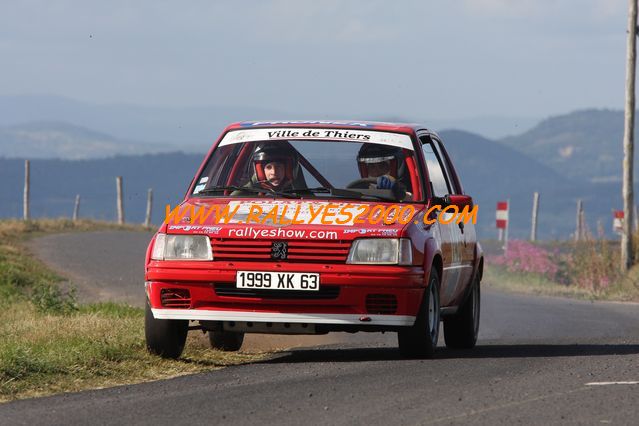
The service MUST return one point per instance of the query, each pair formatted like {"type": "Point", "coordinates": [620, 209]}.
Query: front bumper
{"type": "Point", "coordinates": [280, 317]}
{"type": "Point", "coordinates": [356, 282]}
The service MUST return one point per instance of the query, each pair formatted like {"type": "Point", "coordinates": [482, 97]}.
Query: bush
{"type": "Point", "coordinates": [49, 298]}
{"type": "Point", "coordinates": [526, 257]}
{"type": "Point", "coordinates": [591, 264]}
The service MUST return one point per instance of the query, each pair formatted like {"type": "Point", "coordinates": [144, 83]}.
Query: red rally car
{"type": "Point", "coordinates": [308, 227]}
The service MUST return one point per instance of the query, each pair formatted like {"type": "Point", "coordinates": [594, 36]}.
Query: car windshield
{"type": "Point", "coordinates": [268, 163]}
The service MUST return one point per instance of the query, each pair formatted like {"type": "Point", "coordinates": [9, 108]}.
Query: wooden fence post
{"type": "Point", "coordinates": [535, 210]}
{"type": "Point", "coordinates": [120, 202]}
{"type": "Point", "coordinates": [26, 214]}
{"type": "Point", "coordinates": [76, 208]}
{"type": "Point", "coordinates": [149, 204]}
{"type": "Point", "coordinates": [578, 230]}
{"type": "Point", "coordinates": [507, 227]}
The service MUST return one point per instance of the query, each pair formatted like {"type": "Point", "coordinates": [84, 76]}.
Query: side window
{"type": "Point", "coordinates": [438, 182]}
{"type": "Point", "coordinates": [446, 167]}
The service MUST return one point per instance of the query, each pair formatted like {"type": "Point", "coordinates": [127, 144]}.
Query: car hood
{"type": "Point", "coordinates": [275, 219]}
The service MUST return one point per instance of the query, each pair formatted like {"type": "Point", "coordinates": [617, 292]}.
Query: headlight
{"type": "Point", "coordinates": [158, 247]}
{"type": "Point", "coordinates": [381, 251]}
{"type": "Point", "coordinates": [182, 247]}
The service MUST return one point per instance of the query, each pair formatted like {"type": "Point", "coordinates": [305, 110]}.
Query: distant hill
{"type": "Point", "coordinates": [67, 141]}
{"type": "Point", "coordinates": [186, 128]}
{"type": "Point", "coordinates": [492, 127]}
{"type": "Point", "coordinates": [584, 144]}
{"type": "Point", "coordinates": [565, 158]}
{"type": "Point", "coordinates": [194, 128]}
{"type": "Point", "coordinates": [489, 172]}
{"type": "Point", "coordinates": [54, 184]}
{"type": "Point", "coordinates": [480, 160]}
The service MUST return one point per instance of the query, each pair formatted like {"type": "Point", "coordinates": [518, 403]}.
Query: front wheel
{"type": "Point", "coordinates": [461, 330]}
{"type": "Point", "coordinates": [420, 340]}
{"type": "Point", "coordinates": [165, 338]}
{"type": "Point", "coordinates": [227, 341]}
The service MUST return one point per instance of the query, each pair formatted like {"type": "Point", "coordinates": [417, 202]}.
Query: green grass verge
{"type": "Point", "coordinates": [23, 277]}
{"type": "Point", "coordinates": [50, 344]}
{"type": "Point", "coordinates": [97, 346]}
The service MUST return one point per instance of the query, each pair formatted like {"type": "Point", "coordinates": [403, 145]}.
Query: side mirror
{"type": "Point", "coordinates": [460, 200]}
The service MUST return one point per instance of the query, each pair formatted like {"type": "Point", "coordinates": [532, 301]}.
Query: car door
{"type": "Point", "coordinates": [451, 239]}
{"type": "Point", "coordinates": [468, 237]}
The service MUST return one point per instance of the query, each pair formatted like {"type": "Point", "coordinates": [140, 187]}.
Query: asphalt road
{"type": "Point", "coordinates": [538, 361]}
{"type": "Point", "coordinates": [102, 266]}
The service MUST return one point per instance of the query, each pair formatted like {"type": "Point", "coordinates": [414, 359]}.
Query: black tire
{"type": "Point", "coordinates": [165, 338]}
{"type": "Point", "coordinates": [461, 330]}
{"type": "Point", "coordinates": [227, 341]}
{"type": "Point", "coordinates": [420, 340]}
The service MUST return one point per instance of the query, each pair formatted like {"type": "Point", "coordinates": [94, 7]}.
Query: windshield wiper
{"type": "Point", "coordinates": [338, 193]}
{"type": "Point", "coordinates": [217, 189]}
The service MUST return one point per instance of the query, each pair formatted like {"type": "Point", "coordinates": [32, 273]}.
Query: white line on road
{"type": "Point", "coordinates": [504, 406]}
{"type": "Point", "coordinates": [611, 383]}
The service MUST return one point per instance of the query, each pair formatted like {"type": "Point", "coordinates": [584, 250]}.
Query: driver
{"type": "Point", "coordinates": [275, 167]}
{"type": "Point", "coordinates": [384, 163]}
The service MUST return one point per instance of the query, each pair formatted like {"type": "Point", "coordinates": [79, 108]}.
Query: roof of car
{"type": "Point", "coordinates": [353, 124]}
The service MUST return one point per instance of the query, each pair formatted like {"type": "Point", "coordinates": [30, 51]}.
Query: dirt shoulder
{"type": "Point", "coordinates": [108, 266]}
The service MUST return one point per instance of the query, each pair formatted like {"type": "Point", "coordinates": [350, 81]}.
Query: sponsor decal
{"type": "Point", "coordinates": [196, 228]}
{"type": "Point", "coordinates": [250, 232]}
{"type": "Point", "coordinates": [400, 140]}
{"type": "Point", "coordinates": [336, 123]}
{"type": "Point", "coordinates": [375, 231]}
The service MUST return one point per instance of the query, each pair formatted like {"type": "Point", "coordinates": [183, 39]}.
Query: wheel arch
{"type": "Point", "coordinates": [479, 262]}
{"type": "Point", "coordinates": [438, 265]}
{"type": "Point", "coordinates": [433, 260]}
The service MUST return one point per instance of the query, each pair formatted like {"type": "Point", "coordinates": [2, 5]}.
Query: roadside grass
{"type": "Point", "coordinates": [498, 277]}
{"type": "Point", "coordinates": [625, 288]}
{"type": "Point", "coordinates": [98, 346]}
{"type": "Point", "coordinates": [14, 228]}
{"type": "Point", "coordinates": [22, 277]}
{"type": "Point", "coordinates": [50, 344]}
{"type": "Point", "coordinates": [584, 270]}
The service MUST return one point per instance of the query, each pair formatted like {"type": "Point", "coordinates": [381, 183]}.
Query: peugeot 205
{"type": "Point", "coordinates": [310, 227]}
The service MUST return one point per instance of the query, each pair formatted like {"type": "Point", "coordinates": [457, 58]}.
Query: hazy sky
{"type": "Point", "coordinates": [439, 59]}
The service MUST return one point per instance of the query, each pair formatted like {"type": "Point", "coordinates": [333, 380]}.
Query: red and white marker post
{"type": "Point", "coordinates": [503, 208]}
{"type": "Point", "coordinates": [617, 221]}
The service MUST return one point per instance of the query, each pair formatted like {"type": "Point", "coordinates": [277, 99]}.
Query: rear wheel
{"type": "Point", "coordinates": [420, 340]}
{"type": "Point", "coordinates": [461, 330]}
{"type": "Point", "coordinates": [165, 338]}
{"type": "Point", "coordinates": [227, 341]}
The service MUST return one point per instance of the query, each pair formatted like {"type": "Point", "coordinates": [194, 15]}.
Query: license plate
{"type": "Point", "coordinates": [278, 280]}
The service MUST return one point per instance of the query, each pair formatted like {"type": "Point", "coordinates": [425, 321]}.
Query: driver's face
{"type": "Point", "coordinates": [378, 169]}
{"type": "Point", "coordinates": [274, 172]}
